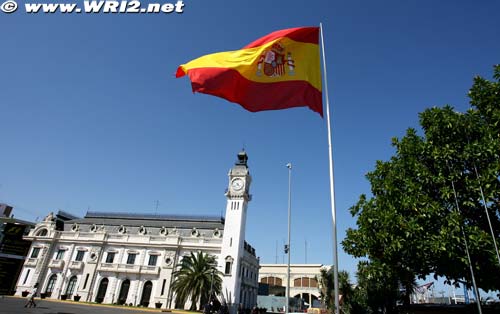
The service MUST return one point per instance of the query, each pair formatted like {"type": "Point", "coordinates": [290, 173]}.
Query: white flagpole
{"type": "Point", "coordinates": [287, 297]}
{"type": "Point", "coordinates": [332, 181]}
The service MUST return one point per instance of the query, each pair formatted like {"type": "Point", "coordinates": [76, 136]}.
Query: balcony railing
{"type": "Point", "coordinates": [81, 236]}
{"type": "Point", "coordinates": [201, 240]}
{"type": "Point", "coordinates": [31, 262]}
{"type": "Point", "coordinates": [108, 267]}
{"type": "Point", "coordinates": [129, 268]}
{"type": "Point", "coordinates": [75, 265]}
{"type": "Point", "coordinates": [151, 270]}
{"type": "Point", "coordinates": [56, 263]}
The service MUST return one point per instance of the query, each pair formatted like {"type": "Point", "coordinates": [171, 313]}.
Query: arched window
{"type": "Point", "coordinates": [122, 297]}
{"type": "Point", "coordinates": [229, 265]}
{"type": "Point", "coordinates": [309, 299]}
{"type": "Point", "coordinates": [146, 293]}
{"type": "Point", "coordinates": [71, 286]}
{"type": "Point", "coordinates": [101, 292]}
{"type": "Point", "coordinates": [272, 281]}
{"type": "Point", "coordinates": [42, 233]}
{"type": "Point", "coordinates": [313, 283]}
{"type": "Point", "coordinates": [305, 282]}
{"type": "Point", "coordinates": [50, 285]}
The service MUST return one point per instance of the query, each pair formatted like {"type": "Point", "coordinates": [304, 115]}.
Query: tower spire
{"type": "Point", "coordinates": [242, 158]}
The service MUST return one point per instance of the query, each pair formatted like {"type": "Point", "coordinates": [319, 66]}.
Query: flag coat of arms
{"type": "Point", "coordinates": [280, 70]}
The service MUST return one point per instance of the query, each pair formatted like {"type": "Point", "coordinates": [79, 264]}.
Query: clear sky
{"type": "Point", "coordinates": [92, 116]}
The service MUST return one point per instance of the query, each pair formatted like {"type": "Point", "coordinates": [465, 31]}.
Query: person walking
{"type": "Point", "coordinates": [31, 297]}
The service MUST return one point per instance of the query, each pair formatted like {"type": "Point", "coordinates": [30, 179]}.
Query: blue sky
{"type": "Point", "coordinates": [92, 116]}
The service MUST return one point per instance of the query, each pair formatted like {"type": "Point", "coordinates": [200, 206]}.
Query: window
{"type": "Point", "coordinates": [305, 282]}
{"type": "Point", "coordinates": [42, 233]}
{"type": "Point", "coordinates": [272, 281]}
{"type": "Point", "coordinates": [313, 283]}
{"type": "Point", "coordinates": [86, 280]}
{"type": "Point", "coordinates": [152, 260]}
{"type": "Point", "coordinates": [51, 284]}
{"type": "Point", "coordinates": [229, 265]}
{"type": "Point", "coordinates": [26, 277]}
{"type": "Point", "coordinates": [35, 252]}
{"type": "Point", "coordinates": [163, 286]}
{"type": "Point", "coordinates": [60, 254]}
{"type": "Point", "coordinates": [131, 258]}
{"type": "Point", "coordinates": [79, 256]}
{"type": "Point", "coordinates": [122, 297]}
{"type": "Point", "coordinates": [71, 286]}
{"type": "Point", "coordinates": [110, 257]}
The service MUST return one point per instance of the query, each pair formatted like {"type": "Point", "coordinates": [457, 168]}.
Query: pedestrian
{"type": "Point", "coordinates": [31, 297]}
{"type": "Point", "coordinates": [224, 308]}
{"type": "Point", "coordinates": [207, 308]}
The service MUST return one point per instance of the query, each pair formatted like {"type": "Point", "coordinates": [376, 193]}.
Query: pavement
{"type": "Point", "coordinates": [15, 305]}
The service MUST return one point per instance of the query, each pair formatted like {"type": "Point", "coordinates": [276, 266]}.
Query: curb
{"type": "Point", "coordinates": [129, 308]}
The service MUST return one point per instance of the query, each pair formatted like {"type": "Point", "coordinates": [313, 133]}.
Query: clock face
{"type": "Point", "coordinates": [237, 184]}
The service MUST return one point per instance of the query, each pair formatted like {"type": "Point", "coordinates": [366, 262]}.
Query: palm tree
{"type": "Point", "coordinates": [326, 284]}
{"type": "Point", "coordinates": [195, 276]}
{"type": "Point", "coordinates": [346, 290]}
{"type": "Point", "coordinates": [326, 288]}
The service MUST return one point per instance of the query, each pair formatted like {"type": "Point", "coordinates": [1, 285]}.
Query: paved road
{"type": "Point", "coordinates": [15, 305]}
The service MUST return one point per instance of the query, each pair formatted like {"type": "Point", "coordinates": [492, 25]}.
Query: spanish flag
{"type": "Point", "coordinates": [278, 71]}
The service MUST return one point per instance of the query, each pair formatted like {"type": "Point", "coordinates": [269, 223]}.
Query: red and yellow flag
{"type": "Point", "coordinates": [280, 70]}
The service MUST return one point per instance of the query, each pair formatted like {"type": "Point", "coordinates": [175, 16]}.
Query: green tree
{"type": "Point", "coordinates": [346, 290]}
{"type": "Point", "coordinates": [411, 226]}
{"type": "Point", "coordinates": [326, 288]}
{"type": "Point", "coordinates": [194, 277]}
{"type": "Point", "coordinates": [377, 290]}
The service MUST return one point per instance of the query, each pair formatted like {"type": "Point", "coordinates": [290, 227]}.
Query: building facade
{"type": "Point", "coordinates": [119, 258]}
{"type": "Point", "coordinates": [13, 248]}
{"type": "Point", "coordinates": [303, 281]}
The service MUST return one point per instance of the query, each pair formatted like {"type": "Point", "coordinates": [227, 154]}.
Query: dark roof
{"type": "Point", "coordinates": [65, 215]}
{"type": "Point", "coordinates": [18, 221]}
{"type": "Point", "coordinates": [136, 219]}
{"type": "Point", "coordinates": [123, 215]}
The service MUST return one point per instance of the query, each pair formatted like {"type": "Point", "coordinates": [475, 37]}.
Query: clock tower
{"type": "Point", "coordinates": [233, 242]}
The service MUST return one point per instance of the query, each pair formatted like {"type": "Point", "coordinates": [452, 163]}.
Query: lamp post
{"type": "Point", "coordinates": [287, 248]}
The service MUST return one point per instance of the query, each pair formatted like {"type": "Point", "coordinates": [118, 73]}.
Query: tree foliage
{"type": "Point", "coordinates": [326, 288]}
{"type": "Point", "coordinates": [353, 299]}
{"type": "Point", "coordinates": [195, 276]}
{"type": "Point", "coordinates": [411, 226]}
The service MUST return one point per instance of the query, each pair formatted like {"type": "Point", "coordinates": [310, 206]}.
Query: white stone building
{"type": "Point", "coordinates": [130, 258]}
{"type": "Point", "coordinates": [303, 280]}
